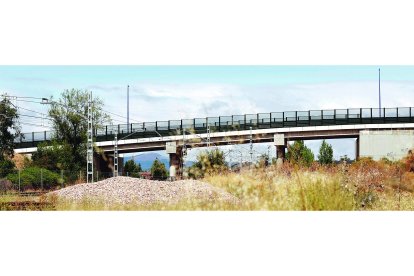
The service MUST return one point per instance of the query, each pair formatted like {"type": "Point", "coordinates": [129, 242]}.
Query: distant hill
{"type": "Point", "coordinates": [146, 160]}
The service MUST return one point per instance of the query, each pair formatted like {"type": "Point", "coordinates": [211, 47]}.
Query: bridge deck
{"type": "Point", "coordinates": [257, 121]}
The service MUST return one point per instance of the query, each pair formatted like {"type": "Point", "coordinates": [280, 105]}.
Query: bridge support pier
{"type": "Point", "coordinates": [280, 154]}
{"type": "Point", "coordinates": [176, 159]}
{"type": "Point", "coordinates": [357, 149]}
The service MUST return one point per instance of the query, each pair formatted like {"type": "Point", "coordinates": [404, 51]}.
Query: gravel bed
{"type": "Point", "coordinates": [128, 190]}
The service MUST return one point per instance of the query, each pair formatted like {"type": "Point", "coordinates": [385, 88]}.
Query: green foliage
{"type": "Point", "coordinates": [158, 170]}
{"type": "Point", "coordinates": [6, 166]}
{"type": "Point", "coordinates": [132, 169]}
{"type": "Point", "coordinates": [208, 162]}
{"type": "Point", "coordinates": [325, 156]}
{"type": "Point", "coordinates": [31, 178]}
{"type": "Point", "coordinates": [299, 154]}
{"type": "Point", "coordinates": [9, 127]}
{"type": "Point", "coordinates": [53, 156]}
{"type": "Point", "coordinates": [70, 125]}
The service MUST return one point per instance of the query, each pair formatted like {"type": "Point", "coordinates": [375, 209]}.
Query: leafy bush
{"type": "Point", "coordinates": [208, 162]}
{"type": "Point", "coordinates": [53, 156]}
{"type": "Point", "coordinates": [158, 170]}
{"type": "Point", "coordinates": [31, 178]}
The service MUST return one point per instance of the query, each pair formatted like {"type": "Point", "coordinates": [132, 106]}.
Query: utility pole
{"type": "Point", "coordinates": [128, 108]}
{"type": "Point", "coordinates": [241, 161]}
{"type": "Point", "coordinates": [116, 153]}
{"type": "Point", "coordinates": [230, 158]}
{"type": "Point", "coordinates": [251, 147]}
{"type": "Point", "coordinates": [379, 91]}
{"type": "Point", "coordinates": [184, 153]}
{"type": "Point", "coordinates": [89, 156]}
{"type": "Point", "coordinates": [208, 136]}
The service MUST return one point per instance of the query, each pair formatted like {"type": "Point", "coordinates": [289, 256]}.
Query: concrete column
{"type": "Point", "coordinates": [357, 148]}
{"type": "Point", "coordinates": [176, 160]}
{"type": "Point", "coordinates": [280, 155]}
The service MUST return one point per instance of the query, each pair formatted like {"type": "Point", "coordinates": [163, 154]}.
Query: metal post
{"type": "Point", "coordinates": [89, 157]}
{"type": "Point", "coordinates": [208, 136]}
{"type": "Point", "coordinates": [241, 161]}
{"type": "Point", "coordinates": [270, 119]}
{"type": "Point", "coordinates": [41, 178]}
{"type": "Point", "coordinates": [19, 181]}
{"type": "Point", "coordinates": [128, 108]}
{"type": "Point", "coordinates": [116, 154]}
{"type": "Point", "coordinates": [184, 153]}
{"type": "Point", "coordinates": [230, 158]}
{"type": "Point", "coordinates": [251, 147]}
{"type": "Point", "coordinates": [61, 177]}
{"type": "Point", "coordinates": [379, 90]}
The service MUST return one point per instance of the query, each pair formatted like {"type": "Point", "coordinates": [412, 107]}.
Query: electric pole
{"type": "Point", "coordinates": [230, 158]}
{"type": "Point", "coordinates": [116, 153]}
{"type": "Point", "coordinates": [89, 155]}
{"type": "Point", "coordinates": [208, 136]}
{"type": "Point", "coordinates": [379, 91]}
{"type": "Point", "coordinates": [128, 108]}
{"type": "Point", "coordinates": [251, 147]}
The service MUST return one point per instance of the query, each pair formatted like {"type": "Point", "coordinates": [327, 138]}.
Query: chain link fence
{"type": "Point", "coordinates": [43, 180]}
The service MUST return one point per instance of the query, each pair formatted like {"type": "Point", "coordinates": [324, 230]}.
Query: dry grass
{"type": "Point", "coordinates": [364, 185]}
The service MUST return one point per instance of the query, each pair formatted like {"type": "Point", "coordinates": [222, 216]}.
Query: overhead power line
{"type": "Point", "coordinates": [121, 116]}
{"type": "Point", "coordinates": [32, 124]}
{"type": "Point", "coordinates": [22, 97]}
{"type": "Point", "coordinates": [37, 117]}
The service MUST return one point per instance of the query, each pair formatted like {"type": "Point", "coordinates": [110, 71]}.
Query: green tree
{"type": "Point", "coordinates": [298, 153]}
{"type": "Point", "coordinates": [158, 170]}
{"type": "Point", "coordinates": [70, 125]}
{"type": "Point", "coordinates": [132, 169]}
{"type": "Point", "coordinates": [325, 156]}
{"type": "Point", "coordinates": [9, 127]}
{"type": "Point", "coordinates": [53, 156]}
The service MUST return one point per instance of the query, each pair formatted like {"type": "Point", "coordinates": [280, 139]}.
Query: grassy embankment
{"type": "Point", "coordinates": [365, 185]}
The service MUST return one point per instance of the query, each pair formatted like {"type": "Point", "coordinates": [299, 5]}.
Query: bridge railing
{"type": "Point", "coordinates": [241, 122]}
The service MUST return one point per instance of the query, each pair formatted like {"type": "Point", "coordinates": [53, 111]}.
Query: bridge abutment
{"type": "Point", "coordinates": [392, 144]}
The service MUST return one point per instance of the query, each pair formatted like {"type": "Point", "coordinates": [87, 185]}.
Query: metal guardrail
{"type": "Point", "coordinates": [241, 122]}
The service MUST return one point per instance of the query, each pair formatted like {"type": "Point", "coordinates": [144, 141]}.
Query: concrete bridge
{"type": "Point", "coordinates": [386, 132]}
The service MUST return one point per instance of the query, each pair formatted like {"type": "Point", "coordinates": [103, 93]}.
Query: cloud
{"type": "Point", "coordinates": [151, 102]}
{"type": "Point", "coordinates": [172, 101]}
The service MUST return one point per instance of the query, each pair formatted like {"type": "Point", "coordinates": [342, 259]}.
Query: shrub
{"type": "Point", "coordinates": [31, 178]}
{"type": "Point", "coordinates": [52, 156]}
{"type": "Point", "coordinates": [208, 162]}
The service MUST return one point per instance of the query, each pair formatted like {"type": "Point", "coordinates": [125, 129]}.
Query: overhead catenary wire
{"type": "Point", "coordinates": [33, 124]}
{"type": "Point", "coordinates": [109, 112]}
{"type": "Point", "coordinates": [21, 97]}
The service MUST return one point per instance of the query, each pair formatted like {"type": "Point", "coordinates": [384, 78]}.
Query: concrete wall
{"type": "Point", "coordinates": [392, 144]}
